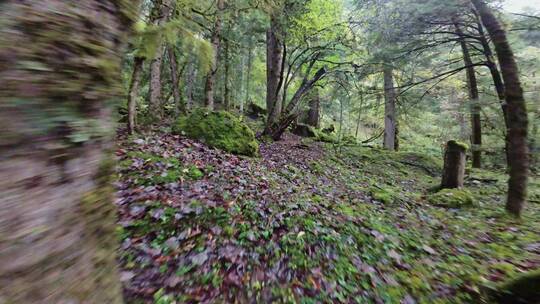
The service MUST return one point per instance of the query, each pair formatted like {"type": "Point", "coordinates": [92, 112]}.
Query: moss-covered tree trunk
{"type": "Point", "coordinates": [59, 67]}
{"type": "Point", "coordinates": [518, 152]}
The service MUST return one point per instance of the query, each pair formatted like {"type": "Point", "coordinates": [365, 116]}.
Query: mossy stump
{"type": "Point", "coordinates": [218, 129]}
{"type": "Point", "coordinates": [454, 165]}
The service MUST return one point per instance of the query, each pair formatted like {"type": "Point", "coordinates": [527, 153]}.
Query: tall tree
{"type": "Point", "coordinates": [134, 93]}
{"type": "Point", "coordinates": [216, 44]}
{"type": "Point", "coordinates": [160, 13]}
{"type": "Point", "coordinates": [179, 106]}
{"type": "Point", "coordinates": [57, 220]}
{"type": "Point", "coordinates": [472, 86]}
{"type": "Point", "coordinates": [390, 119]}
{"type": "Point", "coordinates": [274, 69]}
{"type": "Point", "coordinates": [313, 114]}
{"type": "Point", "coordinates": [517, 111]}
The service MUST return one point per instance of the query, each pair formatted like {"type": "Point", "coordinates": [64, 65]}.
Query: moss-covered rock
{"type": "Point", "coordinates": [522, 289]}
{"type": "Point", "coordinates": [218, 129]}
{"type": "Point", "coordinates": [452, 198]}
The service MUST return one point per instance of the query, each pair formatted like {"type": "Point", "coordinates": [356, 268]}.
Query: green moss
{"type": "Point", "coordinates": [194, 173]}
{"type": "Point", "coordinates": [452, 198]}
{"type": "Point", "coordinates": [219, 129]}
{"type": "Point", "coordinates": [522, 289]}
{"type": "Point", "coordinates": [459, 144]}
{"type": "Point", "coordinates": [324, 137]}
{"type": "Point", "coordinates": [383, 194]}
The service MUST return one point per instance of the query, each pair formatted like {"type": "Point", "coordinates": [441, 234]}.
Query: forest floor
{"type": "Point", "coordinates": [306, 223]}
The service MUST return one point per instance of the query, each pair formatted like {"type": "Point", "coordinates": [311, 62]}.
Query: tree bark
{"type": "Point", "coordinates": [160, 14]}
{"type": "Point", "coordinates": [57, 219]}
{"type": "Point", "coordinates": [359, 118]}
{"type": "Point", "coordinates": [314, 109]}
{"type": "Point", "coordinates": [191, 76]}
{"type": "Point", "coordinates": [497, 80]}
{"type": "Point", "coordinates": [389, 109]}
{"type": "Point", "coordinates": [472, 85]}
{"type": "Point", "coordinates": [517, 111]}
{"type": "Point", "coordinates": [179, 106]}
{"type": "Point", "coordinates": [216, 43]}
{"type": "Point", "coordinates": [274, 53]}
{"type": "Point", "coordinates": [134, 93]}
{"type": "Point", "coordinates": [454, 165]}
{"type": "Point", "coordinates": [227, 82]}
{"type": "Point", "coordinates": [290, 114]}
{"type": "Point", "coordinates": [248, 77]}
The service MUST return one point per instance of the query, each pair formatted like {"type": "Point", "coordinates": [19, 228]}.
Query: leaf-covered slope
{"type": "Point", "coordinates": [306, 225]}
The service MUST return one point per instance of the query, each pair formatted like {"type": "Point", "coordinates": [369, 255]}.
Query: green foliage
{"type": "Point", "coordinates": [452, 198]}
{"type": "Point", "coordinates": [218, 129]}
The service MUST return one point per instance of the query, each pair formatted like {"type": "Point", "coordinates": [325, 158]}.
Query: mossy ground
{"type": "Point", "coordinates": [305, 224]}
{"type": "Point", "coordinates": [218, 129]}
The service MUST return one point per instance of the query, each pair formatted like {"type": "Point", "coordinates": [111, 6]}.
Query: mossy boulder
{"type": "Point", "coordinates": [218, 129]}
{"type": "Point", "coordinates": [452, 198]}
{"type": "Point", "coordinates": [522, 289]}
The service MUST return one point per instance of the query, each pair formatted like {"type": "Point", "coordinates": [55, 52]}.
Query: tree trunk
{"type": "Point", "coordinates": [274, 53]}
{"type": "Point", "coordinates": [134, 93]}
{"type": "Point", "coordinates": [389, 109]}
{"type": "Point", "coordinates": [191, 76]}
{"type": "Point", "coordinates": [179, 106]}
{"type": "Point", "coordinates": [248, 77]}
{"type": "Point", "coordinates": [517, 111]}
{"type": "Point", "coordinates": [227, 81]}
{"type": "Point", "coordinates": [57, 221]}
{"type": "Point", "coordinates": [472, 85]}
{"type": "Point", "coordinates": [161, 10]}
{"type": "Point", "coordinates": [454, 165]}
{"type": "Point", "coordinates": [359, 118]}
{"type": "Point", "coordinates": [313, 112]}
{"type": "Point", "coordinates": [290, 114]}
{"type": "Point", "coordinates": [497, 81]}
{"type": "Point", "coordinates": [216, 43]}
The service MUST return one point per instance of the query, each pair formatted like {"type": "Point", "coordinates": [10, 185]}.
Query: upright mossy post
{"type": "Point", "coordinates": [454, 165]}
